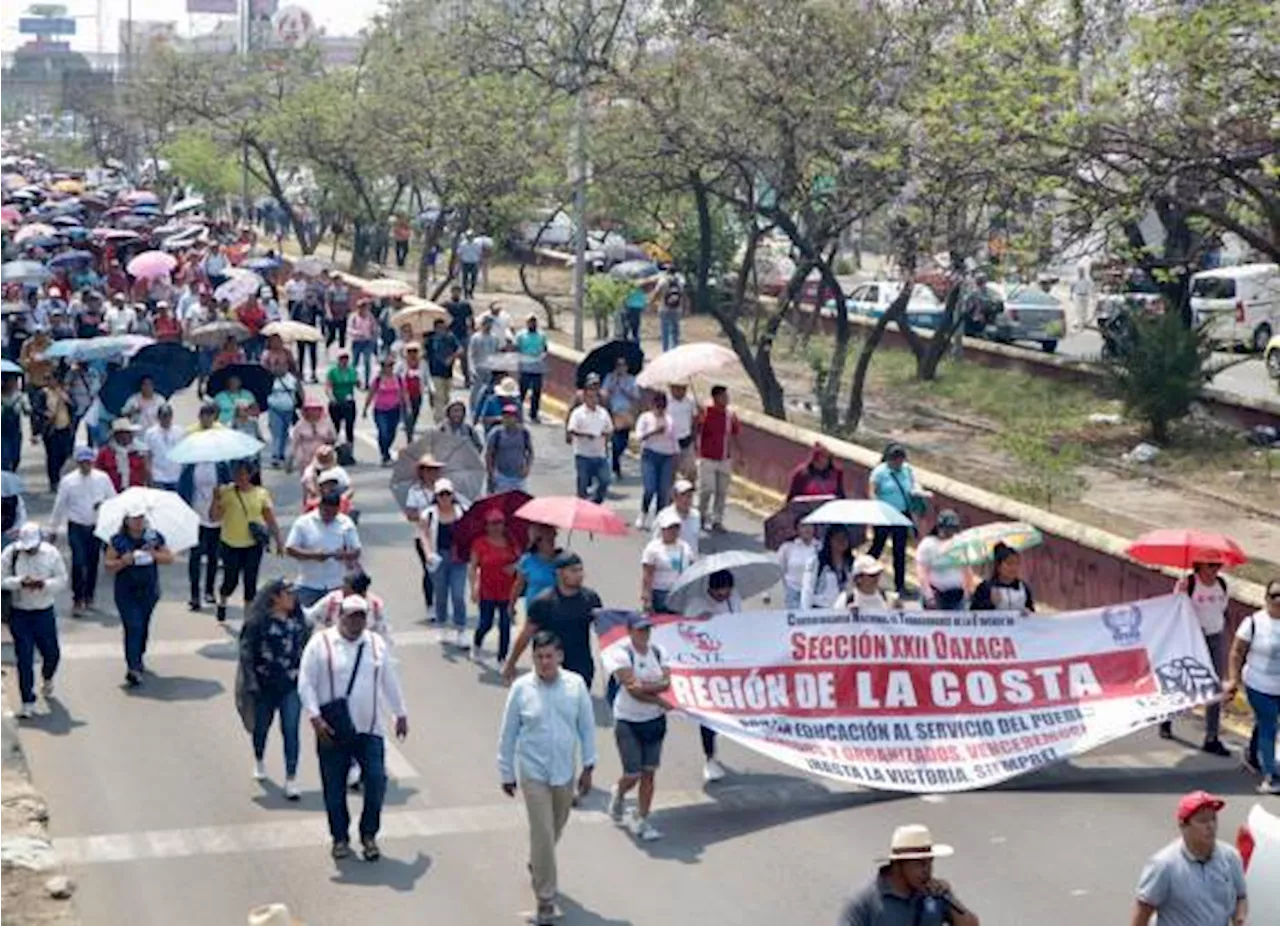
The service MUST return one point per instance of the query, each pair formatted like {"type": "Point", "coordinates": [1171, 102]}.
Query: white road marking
{"type": "Point", "coordinates": [934, 798]}
{"type": "Point", "coordinates": [312, 831]}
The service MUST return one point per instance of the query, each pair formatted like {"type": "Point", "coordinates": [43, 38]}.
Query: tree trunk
{"type": "Point", "coordinates": [430, 238]}
{"type": "Point", "coordinates": [548, 307]}
{"type": "Point", "coordinates": [702, 272]}
{"type": "Point", "coordinates": [936, 347]}
{"type": "Point", "coordinates": [896, 311]}
{"type": "Point", "coordinates": [452, 267]}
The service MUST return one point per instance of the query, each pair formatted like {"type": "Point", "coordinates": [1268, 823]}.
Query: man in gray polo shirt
{"type": "Point", "coordinates": [1196, 880]}
{"type": "Point", "coordinates": [904, 891]}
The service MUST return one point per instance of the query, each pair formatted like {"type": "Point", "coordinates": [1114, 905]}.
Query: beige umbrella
{"type": "Point", "coordinates": [293, 331]}
{"type": "Point", "coordinates": [420, 316]}
{"type": "Point", "coordinates": [385, 288]}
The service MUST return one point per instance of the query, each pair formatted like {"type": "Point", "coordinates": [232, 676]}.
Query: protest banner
{"type": "Point", "coordinates": [933, 701]}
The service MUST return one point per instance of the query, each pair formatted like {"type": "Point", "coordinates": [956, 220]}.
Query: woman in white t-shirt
{"type": "Point", "coordinates": [1209, 600]}
{"type": "Point", "coordinates": [1255, 661]}
{"type": "Point", "coordinates": [794, 557]}
{"type": "Point", "coordinates": [943, 589]}
{"type": "Point", "coordinates": [659, 452]}
{"type": "Point", "coordinates": [661, 563]}
{"type": "Point", "coordinates": [640, 721]}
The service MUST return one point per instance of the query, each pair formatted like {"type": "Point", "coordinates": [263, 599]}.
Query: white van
{"type": "Point", "coordinates": [1239, 305]}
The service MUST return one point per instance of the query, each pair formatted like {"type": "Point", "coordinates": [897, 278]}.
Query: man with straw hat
{"type": "Point", "coordinates": [904, 891]}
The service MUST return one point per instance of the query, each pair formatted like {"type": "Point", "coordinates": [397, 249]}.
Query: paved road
{"type": "Point", "coordinates": [153, 804]}
{"type": "Point", "coordinates": [1247, 378]}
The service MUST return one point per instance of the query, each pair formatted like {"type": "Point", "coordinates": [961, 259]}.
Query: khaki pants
{"type": "Point", "coordinates": [713, 479]}
{"type": "Point", "coordinates": [440, 397]}
{"type": "Point", "coordinates": [548, 808]}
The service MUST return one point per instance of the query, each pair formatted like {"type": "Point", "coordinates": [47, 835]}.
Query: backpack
{"type": "Point", "coordinates": [1191, 584]}
{"type": "Point", "coordinates": [673, 297]}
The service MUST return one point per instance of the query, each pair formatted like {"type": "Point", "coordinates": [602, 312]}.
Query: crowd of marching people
{"type": "Point", "coordinates": [122, 301]}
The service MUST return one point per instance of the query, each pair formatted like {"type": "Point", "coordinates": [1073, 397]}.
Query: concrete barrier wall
{"type": "Point", "coordinates": [1078, 566]}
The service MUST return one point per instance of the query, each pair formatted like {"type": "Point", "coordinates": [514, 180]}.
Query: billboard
{"type": "Point", "coordinates": [46, 25]}
{"type": "Point", "coordinates": [292, 27]}
{"type": "Point", "coordinates": [220, 7]}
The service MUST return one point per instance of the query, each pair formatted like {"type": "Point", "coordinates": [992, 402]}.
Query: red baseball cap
{"type": "Point", "coordinates": [1196, 801]}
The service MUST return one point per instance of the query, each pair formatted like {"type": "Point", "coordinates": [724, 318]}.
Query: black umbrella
{"type": "Point", "coordinates": [255, 378]}
{"type": "Point", "coordinates": [120, 384]}
{"type": "Point", "coordinates": [602, 359]}
{"type": "Point", "coordinates": [181, 362]}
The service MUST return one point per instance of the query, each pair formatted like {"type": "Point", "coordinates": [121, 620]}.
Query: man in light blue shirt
{"type": "Point", "coordinates": [547, 722]}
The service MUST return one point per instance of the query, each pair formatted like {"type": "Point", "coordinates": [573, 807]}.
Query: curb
{"type": "Point", "coordinates": [36, 887]}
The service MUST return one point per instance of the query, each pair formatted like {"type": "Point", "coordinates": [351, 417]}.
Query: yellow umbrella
{"type": "Point", "coordinates": [69, 185]}
{"type": "Point", "coordinates": [419, 315]}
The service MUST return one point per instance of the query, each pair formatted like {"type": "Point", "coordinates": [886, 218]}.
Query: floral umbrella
{"type": "Point", "coordinates": [976, 546]}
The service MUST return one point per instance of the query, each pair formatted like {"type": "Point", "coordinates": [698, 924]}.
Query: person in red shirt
{"type": "Point", "coordinates": [166, 327]}
{"type": "Point", "coordinates": [253, 317]}
{"type": "Point", "coordinates": [719, 430]}
{"type": "Point", "coordinates": [124, 462]}
{"type": "Point", "coordinates": [229, 354]}
{"type": "Point", "coordinates": [493, 575]}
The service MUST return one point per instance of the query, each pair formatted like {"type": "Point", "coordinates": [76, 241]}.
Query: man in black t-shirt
{"type": "Point", "coordinates": [568, 610]}
{"type": "Point", "coordinates": [462, 324]}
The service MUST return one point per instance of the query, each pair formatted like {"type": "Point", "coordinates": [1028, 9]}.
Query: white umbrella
{"type": "Point", "coordinates": [684, 362]}
{"type": "Point", "coordinates": [312, 265]}
{"type": "Point", "coordinates": [753, 573]}
{"type": "Point", "coordinates": [185, 205]}
{"type": "Point", "coordinates": [858, 511]}
{"type": "Point", "coordinates": [238, 289]}
{"type": "Point", "coordinates": [386, 289]}
{"type": "Point", "coordinates": [293, 331]}
{"type": "Point", "coordinates": [215, 445]}
{"type": "Point", "coordinates": [166, 512]}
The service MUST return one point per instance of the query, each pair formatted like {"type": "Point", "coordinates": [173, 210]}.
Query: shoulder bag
{"type": "Point", "coordinates": [257, 530]}
{"type": "Point", "coordinates": [337, 712]}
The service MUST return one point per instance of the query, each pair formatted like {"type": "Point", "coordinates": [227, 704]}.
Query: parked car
{"type": "Point", "coordinates": [1259, 843]}
{"type": "Point", "coordinates": [1240, 306]}
{"type": "Point", "coordinates": [1272, 358]}
{"type": "Point", "coordinates": [872, 300]}
{"type": "Point", "coordinates": [1026, 313]}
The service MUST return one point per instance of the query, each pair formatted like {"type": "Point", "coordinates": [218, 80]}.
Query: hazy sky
{"type": "Point", "coordinates": [336, 17]}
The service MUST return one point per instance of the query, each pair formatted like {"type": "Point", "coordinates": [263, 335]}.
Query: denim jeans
{"type": "Point", "coordinates": [253, 348]}
{"type": "Point", "coordinates": [386, 421]}
{"type": "Point", "coordinates": [631, 318]}
{"type": "Point", "coordinates": [1266, 713]}
{"type": "Point", "coordinates": [470, 274]}
{"type": "Point", "coordinates": [32, 631]}
{"type": "Point", "coordinates": [367, 751]}
{"type": "Point", "coordinates": [592, 470]}
{"type": "Point", "coordinates": [308, 596]}
{"type": "Point", "coordinates": [617, 447]}
{"type": "Point", "coordinates": [657, 471]}
{"type": "Point", "coordinates": [366, 349]}
{"type": "Point", "coordinates": [306, 348]}
{"type": "Point", "coordinates": [265, 706]}
{"type": "Point", "coordinates": [85, 552]}
{"type": "Point", "coordinates": [451, 588]}
{"type": "Point", "coordinates": [488, 609]}
{"type": "Point", "coordinates": [204, 553]}
{"type": "Point", "coordinates": [503, 483]}
{"type": "Point", "coordinates": [280, 423]}
{"type": "Point", "coordinates": [670, 326]}
{"type": "Point", "coordinates": [531, 386]}
{"type": "Point", "coordinates": [135, 617]}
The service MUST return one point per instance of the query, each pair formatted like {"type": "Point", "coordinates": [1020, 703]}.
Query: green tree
{"type": "Point", "coordinates": [198, 159]}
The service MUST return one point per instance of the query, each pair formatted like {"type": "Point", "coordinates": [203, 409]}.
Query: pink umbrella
{"type": "Point", "coordinates": [151, 264]}
{"type": "Point", "coordinates": [138, 197]}
{"type": "Point", "coordinates": [572, 514]}
{"type": "Point", "coordinates": [685, 362]}
{"type": "Point", "coordinates": [10, 215]}
{"type": "Point", "coordinates": [34, 230]}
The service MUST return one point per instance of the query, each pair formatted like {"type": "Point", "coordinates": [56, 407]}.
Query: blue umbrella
{"type": "Point", "coordinates": [216, 445]}
{"type": "Point", "coordinates": [179, 362]}
{"type": "Point", "coordinates": [70, 258]}
{"type": "Point", "coordinates": [262, 264]}
{"type": "Point", "coordinates": [145, 209]}
{"type": "Point", "coordinates": [64, 220]}
{"type": "Point", "coordinates": [121, 384]}
{"type": "Point", "coordinates": [24, 271]}
{"type": "Point", "coordinates": [86, 349]}
{"type": "Point", "coordinates": [40, 242]}
{"type": "Point", "coordinates": [8, 366]}
{"type": "Point", "coordinates": [79, 233]}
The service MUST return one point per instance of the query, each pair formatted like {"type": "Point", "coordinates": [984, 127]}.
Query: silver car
{"type": "Point", "coordinates": [1026, 313]}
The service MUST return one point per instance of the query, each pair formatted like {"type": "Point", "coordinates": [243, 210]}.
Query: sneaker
{"type": "Point", "coordinates": [474, 653]}
{"type": "Point", "coordinates": [713, 770]}
{"type": "Point", "coordinates": [26, 711]}
{"type": "Point", "coordinates": [193, 605]}
{"type": "Point", "coordinates": [1215, 748]}
{"type": "Point", "coordinates": [341, 849]}
{"type": "Point", "coordinates": [369, 849]}
{"type": "Point", "coordinates": [133, 679]}
{"type": "Point", "coordinates": [1166, 731]}
{"type": "Point", "coordinates": [717, 528]}
{"type": "Point", "coordinates": [546, 915]}
{"type": "Point", "coordinates": [640, 522]}
{"type": "Point", "coordinates": [259, 770]}
{"type": "Point", "coordinates": [643, 830]}
{"type": "Point", "coordinates": [617, 803]}
{"type": "Point", "coordinates": [221, 613]}
{"type": "Point", "coordinates": [210, 598]}
{"type": "Point", "coordinates": [46, 688]}
{"type": "Point", "coordinates": [1269, 786]}
{"type": "Point", "coordinates": [291, 792]}
{"type": "Point", "coordinates": [460, 636]}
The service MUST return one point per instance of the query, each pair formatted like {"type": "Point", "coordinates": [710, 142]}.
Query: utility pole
{"type": "Point", "coordinates": [243, 51]}
{"type": "Point", "coordinates": [580, 216]}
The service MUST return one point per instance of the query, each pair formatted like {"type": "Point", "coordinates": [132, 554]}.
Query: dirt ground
{"type": "Point", "coordinates": [1210, 479]}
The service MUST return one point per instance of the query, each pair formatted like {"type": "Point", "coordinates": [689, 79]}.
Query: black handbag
{"type": "Point", "coordinates": [257, 530]}
{"type": "Point", "coordinates": [337, 713]}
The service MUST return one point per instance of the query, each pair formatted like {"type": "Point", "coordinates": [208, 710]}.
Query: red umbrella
{"type": "Point", "coordinates": [573, 514]}
{"type": "Point", "coordinates": [1181, 548]}
{"type": "Point", "coordinates": [471, 524]}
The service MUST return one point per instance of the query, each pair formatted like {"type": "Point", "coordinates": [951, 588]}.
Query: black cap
{"type": "Point", "coordinates": [567, 559]}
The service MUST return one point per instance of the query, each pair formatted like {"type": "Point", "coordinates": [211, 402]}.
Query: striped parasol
{"type": "Point", "coordinates": [976, 546]}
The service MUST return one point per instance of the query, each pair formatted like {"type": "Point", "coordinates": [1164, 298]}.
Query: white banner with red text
{"type": "Point", "coordinates": [935, 701]}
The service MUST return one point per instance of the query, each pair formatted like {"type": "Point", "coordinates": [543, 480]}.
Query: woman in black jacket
{"type": "Point", "coordinates": [1004, 590]}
